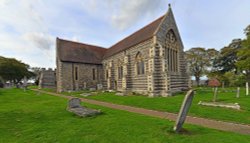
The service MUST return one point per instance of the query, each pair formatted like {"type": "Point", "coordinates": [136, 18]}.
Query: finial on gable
{"type": "Point", "coordinates": [169, 5]}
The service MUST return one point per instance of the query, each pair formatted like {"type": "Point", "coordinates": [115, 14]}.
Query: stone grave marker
{"type": "Point", "coordinates": [84, 85]}
{"type": "Point", "coordinates": [238, 93]}
{"type": "Point", "coordinates": [75, 107]}
{"type": "Point", "coordinates": [215, 94]}
{"type": "Point", "coordinates": [74, 103]}
{"type": "Point", "coordinates": [25, 83]}
{"type": "Point", "coordinates": [92, 89]}
{"type": "Point", "coordinates": [184, 110]}
{"type": "Point", "coordinates": [99, 87]}
{"type": "Point", "coordinates": [247, 89]}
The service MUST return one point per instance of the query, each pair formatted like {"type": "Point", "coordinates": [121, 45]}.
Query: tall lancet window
{"type": "Point", "coordinates": [139, 64]}
{"type": "Point", "coordinates": [171, 51]}
{"type": "Point", "coordinates": [120, 69]}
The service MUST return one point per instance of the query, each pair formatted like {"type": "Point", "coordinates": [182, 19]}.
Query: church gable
{"type": "Point", "coordinates": [168, 27]}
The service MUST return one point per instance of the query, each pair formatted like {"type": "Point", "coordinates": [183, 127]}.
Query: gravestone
{"type": "Point", "coordinates": [92, 89]}
{"type": "Point", "coordinates": [24, 83]}
{"type": "Point", "coordinates": [74, 103]}
{"type": "Point", "coordinates": [84, 85]}
{"type": "Point", "coordinates": [184, 110]}
{"type": "Point", "coordinates": [119, 94]}
{"type": "Point", "coordinates": [75, 107]}
{"type": "Point", "coordinates": [247, 89]}
{"type": "Point", "coordinates": [215, 94]}
{"type": "Point", "coordinates": [238, 93]}
{"type": "Point", "coordinates": [99, 87]}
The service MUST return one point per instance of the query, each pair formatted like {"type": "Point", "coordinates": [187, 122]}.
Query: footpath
{"type": "Point", "coordinates": [209, 123]}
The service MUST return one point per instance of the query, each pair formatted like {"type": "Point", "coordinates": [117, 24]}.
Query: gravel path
{"type": "Point", "coordinates": [219, 125]}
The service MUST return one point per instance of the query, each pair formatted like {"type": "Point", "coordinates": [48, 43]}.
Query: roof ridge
{"type": "Point", "coordinates": [81, 43]}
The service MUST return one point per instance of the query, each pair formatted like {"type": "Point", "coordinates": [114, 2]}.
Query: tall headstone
{"type": "Point", "coordinates": [184, 110]}
{"type": "Point", "coordinates": [84, 85]}
{"type": "Point", "coordinates": [24, 83]}
{"type": "Point", "coordinates": [238, 92]}
{"type": "Point", "coordinates": [247, 89]}
{"type": "Point", "coordinates": [215, 94]}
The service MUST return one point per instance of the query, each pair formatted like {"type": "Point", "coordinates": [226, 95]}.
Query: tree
{"type": "Point", "coordinates": [244, 55]}
{"type": "Point", "coordinates": [13, 70]}
{"type": "Point", "coordinates": [37, 72]}
{"type": "Point", "coordinates": [198, 61]}
{"type": "Point", "coordinates": [212, 55]}
{"type": "Point", "coordinates": [227, 58]}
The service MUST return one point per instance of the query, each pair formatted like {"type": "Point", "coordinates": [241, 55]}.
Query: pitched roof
{"type": "Point", "coordinates": [139, 36]}
{"type": "Point", "coordinates": [69, 51]}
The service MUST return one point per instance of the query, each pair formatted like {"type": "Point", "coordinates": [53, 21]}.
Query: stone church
{"type": "Point", "coordinates": [149, 62]}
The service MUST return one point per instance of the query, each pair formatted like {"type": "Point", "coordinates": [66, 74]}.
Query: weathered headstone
{"type": "Point", "coordinates": [75, 107]}
{"type": "Point", "coordinates": [92, 89]}
{"type": "Point", "coordinates": [238, 92]}
{"type": "Point", "coordinates": [99, 87]}
{"type": "Point", "coordinates": [119, 94]}
{"type": "Point", "coordinates": [84, 85]}
{"type": "Point", "coordinates": [74, 103]}
{"type": "Point", "coordinates": [24, 83]}
{"type": "Point", "coordinates": [215, 94]}
{"type": "Point", "coordinates": [184, 110]}
{"type": "Point", "coordinates": [247, 89]}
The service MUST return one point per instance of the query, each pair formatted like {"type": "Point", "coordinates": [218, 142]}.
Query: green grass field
{"type": "Point", "coordinates": [28, 117]}
{"type": "Point", "coordinates": [172, 104]}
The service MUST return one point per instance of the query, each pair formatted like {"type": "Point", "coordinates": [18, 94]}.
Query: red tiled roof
{"type": "Point", "coordinates": [139, 36]}
{"type": "Point", "coordinates": [69, 51]}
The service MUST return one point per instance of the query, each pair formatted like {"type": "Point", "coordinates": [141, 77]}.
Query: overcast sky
{"type": "Point", "coordinates": [28, 28]}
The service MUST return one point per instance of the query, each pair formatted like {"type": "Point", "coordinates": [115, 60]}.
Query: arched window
{"type": "Point", "coordinates": [139, 64]}
{"type": "Point", "coordinates": [171, 51]}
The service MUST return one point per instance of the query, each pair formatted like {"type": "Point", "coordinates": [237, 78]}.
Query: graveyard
{"type": "Point", "coordinates": [172, 104]}
{"type": "Point", "coordinates": [122, 71]}
{"type": "Point", "coordinates": [32, 117]}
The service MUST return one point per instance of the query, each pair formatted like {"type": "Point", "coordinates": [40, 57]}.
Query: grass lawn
{"type": "Point", "coordinates": [27, 117]}
{"type": "Point", "coordinates": [172, 104]}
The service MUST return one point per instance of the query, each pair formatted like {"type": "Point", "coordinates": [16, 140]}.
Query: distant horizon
{"type": "Point", "coordinates": [28, 29]}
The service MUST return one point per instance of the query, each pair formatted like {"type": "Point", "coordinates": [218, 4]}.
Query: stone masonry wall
{"type": "Point", "coordinates": [130, 81]}
{"type": "Point", "coordinates": [67, 79]}
{"type": "Point", "coordinates": [174, 80]}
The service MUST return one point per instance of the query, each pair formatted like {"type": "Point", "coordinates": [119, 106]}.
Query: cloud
{"type": "Point", "coordinates": [40, 40]}
{"type": "Point", "coordinates": [123, 14]}
{"type": "Point", "coordinates": [22, 16]}
{"type": "Point", "coordinates": [131, 12]}
{"type": "Point", "coordinates": [24, 33]}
